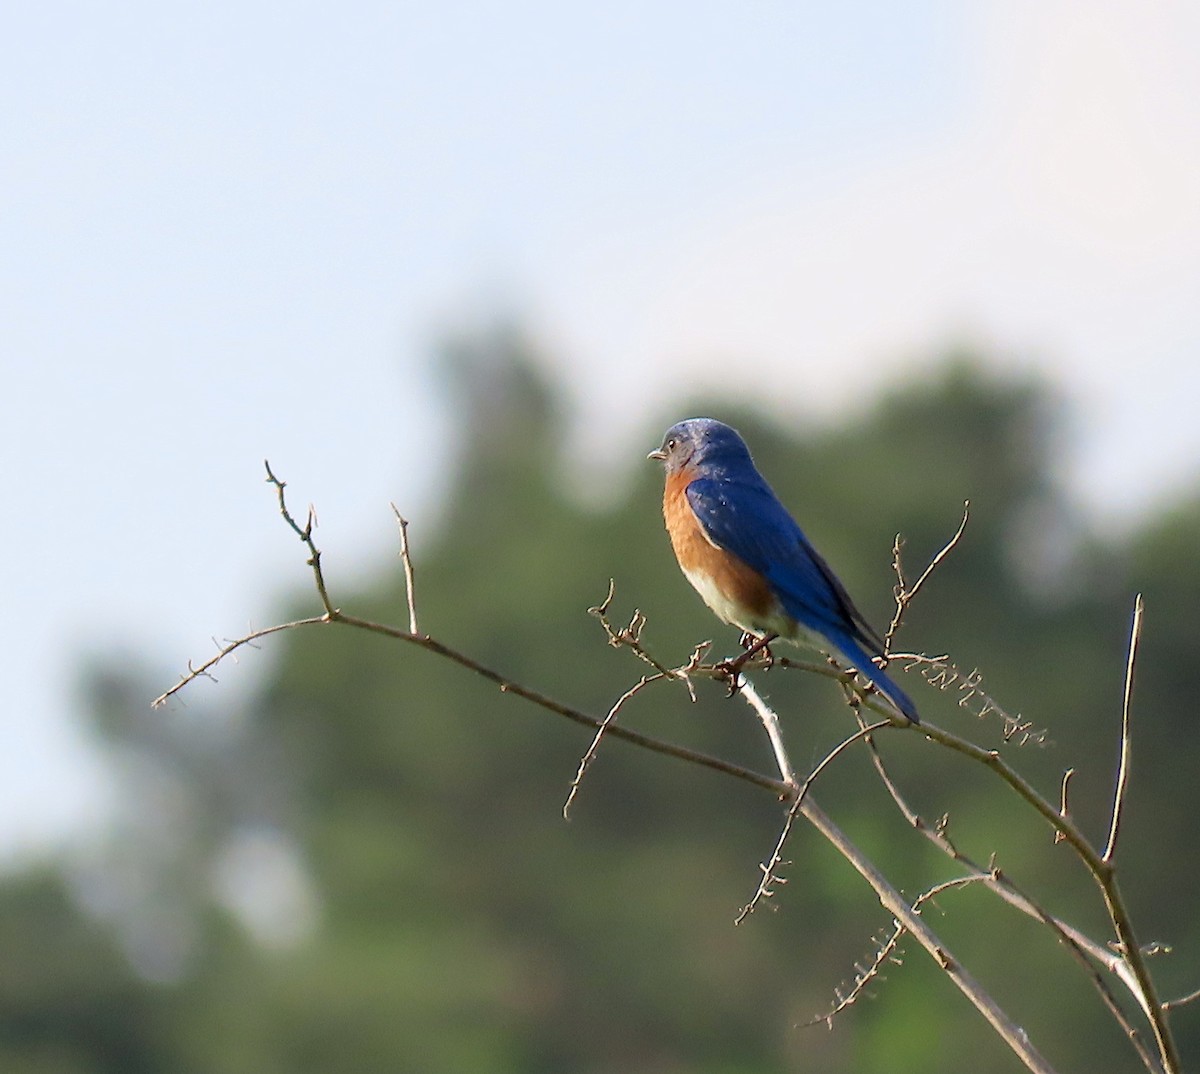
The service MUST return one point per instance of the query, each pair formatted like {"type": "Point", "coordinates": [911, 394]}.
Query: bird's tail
{"type": "Point", "coordinates": [866, 667]}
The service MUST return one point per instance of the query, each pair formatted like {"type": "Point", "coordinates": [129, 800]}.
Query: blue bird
{"type": "Point", "coordinates": [749, 560]}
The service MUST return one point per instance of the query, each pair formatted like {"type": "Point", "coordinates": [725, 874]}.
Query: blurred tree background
{"type": "Point", "coordinates": [364, 867]}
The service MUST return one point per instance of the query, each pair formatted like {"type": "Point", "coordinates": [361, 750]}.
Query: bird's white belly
{"type": "Point", "coordinates": [777, 621]}
{"type": "Point", "coordinates": [711, 594]}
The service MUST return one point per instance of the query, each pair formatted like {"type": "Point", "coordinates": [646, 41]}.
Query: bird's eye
{"type": "Point", "coordinates": [672, 443]}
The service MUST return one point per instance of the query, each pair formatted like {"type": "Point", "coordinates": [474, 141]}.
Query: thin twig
{"type": "Point", "coordinates": [1191, 997]}
{"type": "Point", "coordinates": [1131, 967]}
{"type": "Point", "coordinates": [904, 595]}
{"type": "Point", "coordinates": [507, 686]}
{"type": "Point", "coordinates": [1064, 809]}
{"type": "Point", "coordinates": [333, 616]}
{"type": "Point", "coordinates": [886, 950]}
{"type": "Point", "coordinates": [990, 878]}
{"type": "Point", "coordinates": [1135, 634]}
{"type": "Point", "coordinates": [410, 589]}
{"type": "Point", "coordinates": [305, 533]}
{"type": "Point", "coordinates": [939, 835]}
{"type": "Point", "coordinates": [590, 754]}
{"type": "Point", "coordinates": [630, 637]}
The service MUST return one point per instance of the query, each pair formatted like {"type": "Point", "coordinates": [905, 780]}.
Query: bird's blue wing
{"type": "Point", "coordinates": [747, 519]}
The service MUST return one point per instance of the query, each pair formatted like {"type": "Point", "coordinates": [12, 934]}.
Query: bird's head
{"type": "Point", "coordinates": [701, 442]}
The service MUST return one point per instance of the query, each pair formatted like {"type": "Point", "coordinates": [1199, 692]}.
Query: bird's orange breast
{"type": "Point", "coordinates": [735, 591]}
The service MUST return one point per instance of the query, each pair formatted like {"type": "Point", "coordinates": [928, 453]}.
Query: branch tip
{"type": "Point", "coordinates": [1135, 636]}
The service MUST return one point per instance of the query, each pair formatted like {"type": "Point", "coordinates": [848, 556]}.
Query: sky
{"type": "Point", "coordinates": [237, 232]}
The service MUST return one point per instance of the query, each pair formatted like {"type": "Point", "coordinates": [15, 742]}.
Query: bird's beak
{"type": "Point", "coordinates": [658, 454]}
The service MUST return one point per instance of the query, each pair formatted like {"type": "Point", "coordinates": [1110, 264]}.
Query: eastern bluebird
{"type": "Point", "coordinates": [750, 561]}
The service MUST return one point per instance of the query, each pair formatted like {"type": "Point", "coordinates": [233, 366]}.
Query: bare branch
{"type": "Point", "coordinates": [1126, 958]}
{"type": "Point", "coordinates": [991, 877]}
{"type": "Point", "coordinates": [438, 648]}
{"type": "Point", "coordinates": [1080, 948]}
{"type": "Point", "coordinates": [939, 834]}
{"type": "Point", "coordinates": [1135, 635]}
{"type": "Point", "coordinates": [892, 901]}
{"type": "Point", "coordinates": [1140, 982]}
{"type": "Point", "coordinates": [509, 686]}
{"type": "Point", "coordinates": [1078, 944]}
{"type": "Point", "coordinates": [770, 721]}
{"type": "Point", "coordinates": [769, 874]}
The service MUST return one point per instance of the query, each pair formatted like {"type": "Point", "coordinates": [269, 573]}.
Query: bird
{"type": "Point", "coordinates": [749, 560]}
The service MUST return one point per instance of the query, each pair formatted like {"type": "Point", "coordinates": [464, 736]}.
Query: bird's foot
{"type": "Point", "coordinates": [730, 671]}
{"type": "Point", "coordinates": [754, 645]}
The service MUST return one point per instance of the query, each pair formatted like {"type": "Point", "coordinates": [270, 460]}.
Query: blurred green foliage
{"type": "Point", "coordinates": [364, 867]}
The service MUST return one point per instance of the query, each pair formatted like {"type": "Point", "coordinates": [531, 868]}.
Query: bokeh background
{"type": "Point", "coordinates": [472, 259]}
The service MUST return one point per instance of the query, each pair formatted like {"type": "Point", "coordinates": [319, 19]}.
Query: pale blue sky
{"type": "Point", "coordinates": [234, 231]}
